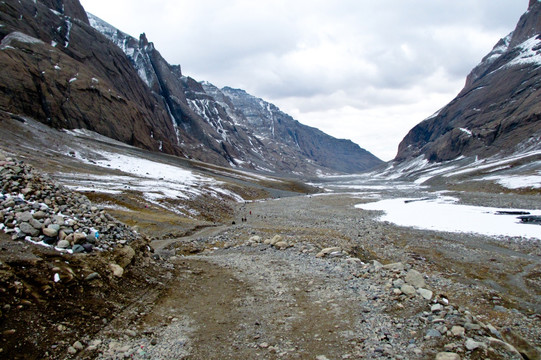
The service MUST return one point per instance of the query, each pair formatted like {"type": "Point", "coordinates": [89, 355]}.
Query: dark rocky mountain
{"type": "Point", "coordinates": [59, 69]}
{"type": "Point", "coordinates": [232, 128]}
{"type": "Point", "coordinates": [275, 128]}
{"type": "Point", "coordinates": [499, 109]}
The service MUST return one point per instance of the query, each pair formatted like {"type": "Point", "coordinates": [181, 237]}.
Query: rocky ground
{"type": "Point", "coordinates": [293, 282]}
{"type": "Point", "coordinates": [307, 277]}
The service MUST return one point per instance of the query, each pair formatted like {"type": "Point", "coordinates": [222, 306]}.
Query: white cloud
{"type": "Point", "coordinates": [360, 69]}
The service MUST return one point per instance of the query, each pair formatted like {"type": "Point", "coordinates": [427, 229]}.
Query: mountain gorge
{"type": "Point", "coordinates": [71, 70]}
{"type": "Point", "coordinates": [499, 109]}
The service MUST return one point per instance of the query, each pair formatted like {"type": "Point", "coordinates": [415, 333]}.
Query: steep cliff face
{"type": "Point", "coordinates": [57, 69]}
{"type": "Point", "coordinates": [499, 109]}
{"type": "Point", "coordinates": [272, 126]}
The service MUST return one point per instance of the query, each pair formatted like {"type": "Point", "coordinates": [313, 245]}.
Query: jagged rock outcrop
{"type": "Point", "coordinates": [499, 109]}
{"type": "Point", "coordinates": [272, 126]}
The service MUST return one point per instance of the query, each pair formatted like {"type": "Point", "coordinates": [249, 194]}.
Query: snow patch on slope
{"type": "Point", "coordinates": [530, 52]}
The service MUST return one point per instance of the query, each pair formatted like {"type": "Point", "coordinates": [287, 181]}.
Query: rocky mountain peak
{"type": "Point", "coordinates": [529, 24]}
{"type": "Point", "coordinates": [143, 41]}
{"type": "Point", "coordinates": [498, 111]}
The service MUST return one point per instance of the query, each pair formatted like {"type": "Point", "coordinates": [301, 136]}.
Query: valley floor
{"type": "Point", "coordinates": [231, 296]}
{"type": "Point", "coordinates": [335, 283]}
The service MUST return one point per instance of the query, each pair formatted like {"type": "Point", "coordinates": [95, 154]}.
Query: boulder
{"type": "Point", "coordinates": [50, 232]}
{"type": "Point", "coordinates": [124, 256]}
{"type": "Point", "coordinates": [24, 216]}
{"type": "Point", "coordinates": [275, 239]}
{"type": "Point", "coordinates": [415, 278]}
{"type": "Point", "coordinates": [407, 289]}
{"type": "Point", "coordinates": [63, 244]}
{"type": "Point", "coordinates": [394, 266]}
{"type": "Point", "coordinates": [524, 347]}
{"type": "Point", "coordinates": [28, 229]}
{"type": "Point", "coordinates": [458, 331]}
{"type": "Point", "coordinates": [472, 344]}
{"type": "Point", "coordinates": [502, 345]}
{"type": "Point", "coordinates": [426, 294]}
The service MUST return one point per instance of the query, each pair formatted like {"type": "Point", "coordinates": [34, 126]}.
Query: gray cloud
{"type": "Point", "coordinates": [332, 64]}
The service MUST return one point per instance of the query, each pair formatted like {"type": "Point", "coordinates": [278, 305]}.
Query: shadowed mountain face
{"type": "Point", "coordinates": [57, 69]}
{"type": "Point", "coordinates": [60, 69]}
{"type": "Point", "coordinates": [232, 123]}
{"type": "Point", "coordinates": [499, 109]}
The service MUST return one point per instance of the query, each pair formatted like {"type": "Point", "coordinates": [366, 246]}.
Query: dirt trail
{"type": "Point", "coordinates": [161, 245]}
{"type": "Point", "coordinates": [237, 299]}
{"type": "Point", "coordinates": [234, 319]}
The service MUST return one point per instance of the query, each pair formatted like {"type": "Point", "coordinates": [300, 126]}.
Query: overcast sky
{"type": "Point", "coordinates": [365, 70]}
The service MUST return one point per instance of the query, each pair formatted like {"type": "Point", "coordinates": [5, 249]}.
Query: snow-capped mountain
{"type": "Point", "coordinates": [274, 128]}
{"type": "Point", "coordinates": [242, 130]}
{"type": "Point", "coordinates": [71, 70]}
{"type": "Point", "coordinates": [498, 113]}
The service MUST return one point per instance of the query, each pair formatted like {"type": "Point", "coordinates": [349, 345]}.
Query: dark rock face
{"type": "Point", "coordinates": [499, 109]}
{"type": "Point", "coordinates": [60, 71]}
{"type": "Point", "coordinates": [272, 126]}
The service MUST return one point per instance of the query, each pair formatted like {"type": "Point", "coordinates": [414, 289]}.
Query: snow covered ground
{"type": "Point", "coordinates": [443, 213]}
{"type": "Point", "coordinates": [154, 179]}
{"type": "Point", "coordinates": [159, 183]}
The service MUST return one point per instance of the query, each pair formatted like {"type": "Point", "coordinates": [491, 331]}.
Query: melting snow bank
{"type": "Point", "coordinates": [444, 214]}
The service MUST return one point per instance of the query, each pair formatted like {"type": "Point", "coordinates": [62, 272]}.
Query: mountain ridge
{"type": "Point", "coordinates": [497, 112]}
{"type": "Point", "coordinates": [60, 70]}
{"type": "Point", "coordinates": [220, 122]}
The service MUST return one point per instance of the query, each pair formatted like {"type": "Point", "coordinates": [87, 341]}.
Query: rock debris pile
{"type": "Point", "coordinates": [34, 208]}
